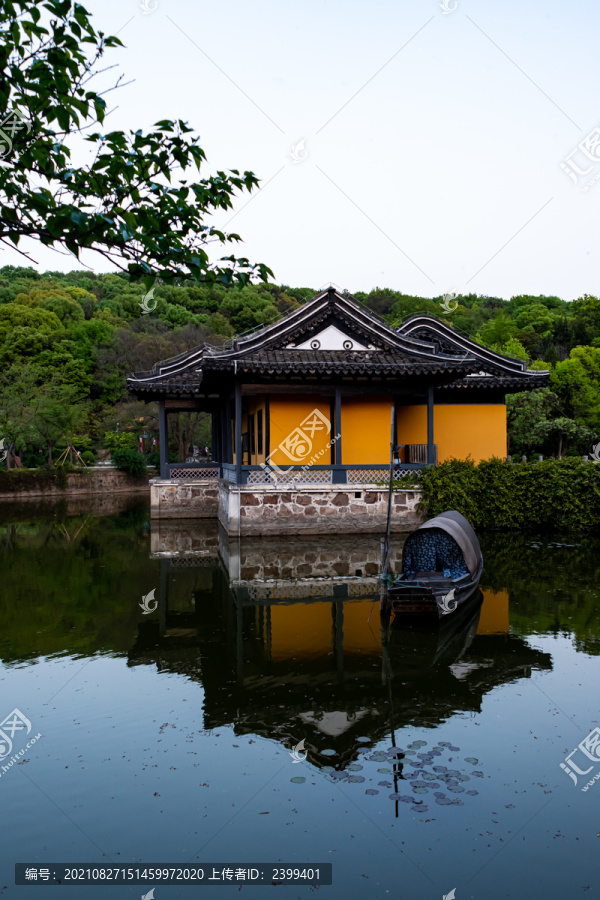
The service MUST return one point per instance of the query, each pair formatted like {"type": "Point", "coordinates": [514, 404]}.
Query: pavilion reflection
{"type": "Point", "coordinates": [308, 657]}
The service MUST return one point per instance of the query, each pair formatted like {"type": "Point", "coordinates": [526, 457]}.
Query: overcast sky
{"type": "Point", "coordinates": [433, 140]}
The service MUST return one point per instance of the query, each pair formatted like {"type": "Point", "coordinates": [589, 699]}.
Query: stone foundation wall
{"type": "Point", "coordinates": [90, 481]}
{"type": "Point", "coordinates": [188, 498]}
{"type": "Point", "coordinates": [326, 556]}
{"type": "Point", "coordinates": [314, 509]}
{"type": "Point", "coordinates": [170, 537]}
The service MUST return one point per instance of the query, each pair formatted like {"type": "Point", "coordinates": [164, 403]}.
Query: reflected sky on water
{"type": "Point", "coordinates": [262, 713]}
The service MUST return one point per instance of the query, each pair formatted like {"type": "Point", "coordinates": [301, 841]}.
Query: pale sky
{"type": "Point", "coordinates": [432, 141]}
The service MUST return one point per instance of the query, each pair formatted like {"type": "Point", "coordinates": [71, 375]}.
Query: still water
{"type": "Point", "coordinates": [257, 712]}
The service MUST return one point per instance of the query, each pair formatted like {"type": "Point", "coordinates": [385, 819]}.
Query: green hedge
{"type": "Point", "coordinates": [16, 480]}
{"type": "Point", "coordinates": [555, 494]}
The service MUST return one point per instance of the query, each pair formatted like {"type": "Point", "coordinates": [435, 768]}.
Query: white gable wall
{"type": "Point", "coordinates": [331, 338]}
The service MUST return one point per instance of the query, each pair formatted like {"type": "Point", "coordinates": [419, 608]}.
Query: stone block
{"type": "Point", "coordinates": [340, 500]}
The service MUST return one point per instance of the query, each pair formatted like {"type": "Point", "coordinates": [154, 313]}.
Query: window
{"type": "Point", "coordinates": [252, 434]}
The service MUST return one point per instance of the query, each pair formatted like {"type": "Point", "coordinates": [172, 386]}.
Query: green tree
{"type": "Point", "coordinates": [577, 382]}
{"type": "Point", "coordinates": [537, 423]}
{"type": "Point", "coordinates": [138, 202]}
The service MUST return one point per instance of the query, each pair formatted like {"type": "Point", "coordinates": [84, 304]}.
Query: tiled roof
{"type": "Point", "coordinates": [335, 362]}
{"type": "Point", "coordinates": [421, 346]}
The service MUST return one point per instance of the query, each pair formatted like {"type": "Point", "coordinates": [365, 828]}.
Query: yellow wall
{"type": "Point", "coordinates": [366, 430]}
{"type": "Point", "coordinates": [458, 430]}
{"type": "Point", "coordinates": [287, 415]}
{"type": "Point", "coordinates": [494, 613]}
{"type": "Point", "coordinates": [304, 630]}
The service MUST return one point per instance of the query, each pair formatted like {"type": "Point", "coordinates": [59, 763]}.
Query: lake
{"type": "Point", "coordinates": [192, 700]}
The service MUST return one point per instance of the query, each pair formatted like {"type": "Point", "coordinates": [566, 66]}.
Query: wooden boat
{"type": "Point", "coordinates": [441, 568]}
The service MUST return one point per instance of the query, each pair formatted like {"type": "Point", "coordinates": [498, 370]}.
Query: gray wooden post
{"type": "Point", "coordinates": [163, 440]}
{"type": "Point", "coordinates": [214, 436]}
{"type": "Point", "coordinates": [430, 448]}
{"type": "Point", "coordinates": [238, 432]}
{"type": "Point", "coordinates": [227, 448]}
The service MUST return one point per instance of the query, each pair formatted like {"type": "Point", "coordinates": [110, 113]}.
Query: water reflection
{"type": "Point", "coordinates": [279, 642]}
{"type": "Point", "coordinates": [286, 639]}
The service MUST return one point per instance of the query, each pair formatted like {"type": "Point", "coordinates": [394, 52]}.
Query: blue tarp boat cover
{"type": "Point", "coordinates": [445, 544]}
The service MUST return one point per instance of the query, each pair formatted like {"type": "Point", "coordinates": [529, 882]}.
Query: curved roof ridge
{"type": "Point", "coordinates": [462, 341]}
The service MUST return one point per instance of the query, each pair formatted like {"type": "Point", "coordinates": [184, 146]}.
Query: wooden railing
{"type": "Point", "coordinates": [317, 475]}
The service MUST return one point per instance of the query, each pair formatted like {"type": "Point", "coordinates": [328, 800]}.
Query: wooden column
{"type": "Point", "coordinates": [238, 432]}
{"type": "Point", "coordinates": [227, 449]}
{"type": "Point", "coordinates": [163, 440]}
{"type": "Point", "coordinates": [430, 441]}
{"type": "Point", "coordinates": [214, 436]}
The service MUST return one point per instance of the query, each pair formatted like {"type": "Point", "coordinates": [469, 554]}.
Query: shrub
{"type": "Point", "coordinates": [88, 457]}
{"type": "Point", "coordinates": [120, 440]}
{"type": "Point", "coordinates": [129, 461]}
{"type": "Point", "coordinates": [554, 494]}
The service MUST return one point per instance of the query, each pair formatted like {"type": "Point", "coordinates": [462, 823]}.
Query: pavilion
{"type": "Point", "coordinates": [318, 397]}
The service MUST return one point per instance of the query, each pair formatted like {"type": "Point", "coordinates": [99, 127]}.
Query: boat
{"type": "Point", "coordinates": [441, 569]}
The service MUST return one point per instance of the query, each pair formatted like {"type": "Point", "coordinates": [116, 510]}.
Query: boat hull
{"type": "Point", "coordinates": [432, 596]}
